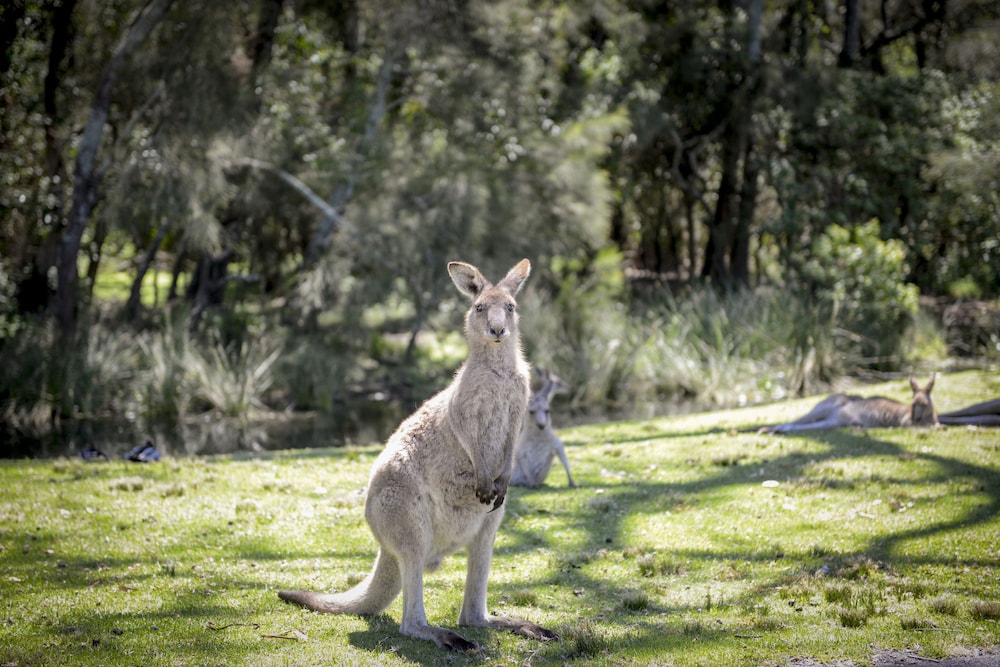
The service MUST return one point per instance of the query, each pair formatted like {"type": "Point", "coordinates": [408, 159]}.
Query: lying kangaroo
{"type": "Point", "coordinates": [538, 444]}
{"type": "Point", "coordinates": [841, 410]}
{"type": "Point", "coordinates": [435, 487]}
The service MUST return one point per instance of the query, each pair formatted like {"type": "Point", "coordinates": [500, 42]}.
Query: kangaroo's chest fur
{"type": "Point", "coordinates": [428, 469]}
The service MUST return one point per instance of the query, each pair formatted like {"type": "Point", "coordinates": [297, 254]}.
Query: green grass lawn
{"type": "Point", "coordinates": [689, 542]}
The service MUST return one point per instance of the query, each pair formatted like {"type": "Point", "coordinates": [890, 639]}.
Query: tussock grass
{"type": "Point", "coordinates": [662, 556]}
{"type": "Point", "coordinates": [985, 610]}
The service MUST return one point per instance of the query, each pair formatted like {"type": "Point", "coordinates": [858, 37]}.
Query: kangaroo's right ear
{"type": "Point", "coordinates": [467, 278]}
{"type": "Point", "coordinates": [515, 277]}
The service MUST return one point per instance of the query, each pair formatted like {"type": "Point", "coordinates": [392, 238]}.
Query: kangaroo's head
{"type": "Point", "coordinates": [493, 315]}
{"type": "Point", "coordinates": [539, 408]}
{"type": "Point", "coordinates": [922, 410]}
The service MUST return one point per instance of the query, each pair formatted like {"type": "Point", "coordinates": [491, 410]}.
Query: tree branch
{"type": "Point", "coordinates": [326, 209]}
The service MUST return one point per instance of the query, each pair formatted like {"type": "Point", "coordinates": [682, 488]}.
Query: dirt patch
{"type": "Point", "coordinates": [971, 657]}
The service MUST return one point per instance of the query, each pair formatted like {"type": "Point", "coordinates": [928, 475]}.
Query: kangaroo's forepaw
{"type": "Point", "coordinates": [497, 503]}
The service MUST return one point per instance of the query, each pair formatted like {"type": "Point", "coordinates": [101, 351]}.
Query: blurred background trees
{"type": "Point", "coordinates": [248, 206]}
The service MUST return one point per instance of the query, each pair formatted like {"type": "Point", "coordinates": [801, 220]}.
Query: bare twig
{"type": "Point", "coordinates": [294, 635]}
{"type": "Point", "coordinates": [212, 626]}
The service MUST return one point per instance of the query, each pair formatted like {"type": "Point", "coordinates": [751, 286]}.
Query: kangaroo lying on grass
{"type": "Point", "coordinates": [840, 410]}
{"type": "Point", "coordinates": [435, 486]}
{"type": "Point", "coordinates": [538, 444]}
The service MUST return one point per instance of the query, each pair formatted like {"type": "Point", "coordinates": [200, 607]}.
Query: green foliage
{"type": "Point", "coordinates": [858, 283]}
{"type": "Point", "coordinates": [593, 139]}
{"type": "Point", "coordinates": [967, 206]}
{"type": "Point", "coordinates": [47, 376]}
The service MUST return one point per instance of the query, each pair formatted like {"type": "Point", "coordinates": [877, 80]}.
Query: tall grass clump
{"type": "Point", "coordinates": [704, 347]}
{"type": "Point", "coordinates": [46, 375]}
{"type": "Point", "coordinates": [233, 379]}
{"type": "Point", "coordinates": [165, 393]}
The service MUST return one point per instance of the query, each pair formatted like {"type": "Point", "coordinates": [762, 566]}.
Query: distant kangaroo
{"type": "Point", "coordinates": [840, 410]}
{"type": "Point", "coordinates": [434, 488]}
{"type": "Point", "coordinates": [538, 444]}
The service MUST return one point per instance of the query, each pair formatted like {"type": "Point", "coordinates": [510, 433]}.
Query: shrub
{"type": "Point", "coordinates": [858, 284]}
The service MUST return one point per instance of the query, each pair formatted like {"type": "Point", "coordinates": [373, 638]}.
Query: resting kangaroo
{"type": "Point", "coordinates": [440, 482]}
{"type": "Point", "coordinates": [841, 410]}
{"type": "Point", "coordinates": [538, 444]}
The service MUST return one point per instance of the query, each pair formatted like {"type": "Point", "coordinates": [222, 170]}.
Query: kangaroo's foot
{"type": "Point", "coordinates": [515, 625]}
{"type": "Point", "coordinates": [443, 637]}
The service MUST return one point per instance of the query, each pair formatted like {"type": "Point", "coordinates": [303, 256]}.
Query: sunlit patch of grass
{"type": "Point", "coordinates": [946, 605]}
{"type": "Point", "coordinates": [524, 597]}
{"type": "Point", "coordinates": [985, 610]}
{"type": "Point", "coordinates": [587, 639]}
{"type": "Point", "coordinates": [851, 617]}
{"type": "Point", "coordinates": [838, 594]}
{"type": "Point", "coordinates": [909, 622]}
{"type": "Point", "coordinates": [635, 600]}
{"type": "Point", "coordinates": [652, 564]}
{"type": "Point", "coordinates": [134, 483]}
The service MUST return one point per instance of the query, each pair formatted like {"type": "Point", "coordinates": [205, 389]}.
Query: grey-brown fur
{"type": "Point", "coordinates": [842, 410]}
{"type": "Point", "coordinates": [440, 482]}
{"type": "Point", "coordinates": [538, 444]}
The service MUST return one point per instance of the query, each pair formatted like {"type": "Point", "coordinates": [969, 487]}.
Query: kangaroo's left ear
{"type": "Point", "coordinates": [515, 278]}
{"type": "Point", "coordinates": [467, 278]}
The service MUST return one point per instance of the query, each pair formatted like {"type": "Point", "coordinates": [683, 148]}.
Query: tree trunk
{"type": "Point", "coordinates": [135, 294]}
{"type": "Point", "coordinates": [739, 261]}
{"type": "Point", "coordinates": [722, 230]}
{"type": "Point", "coordinates": [95, 255]}
{"type": "Point", "coordinates": [87, 175]}
{"type": "Point", "coordinates": [62, 14]}
{"type": "Point", "coordinates": [263, 39]}
{"type": "Point", "coordinates": [852, 35]}
{"type": "Point", "coordinates": [175, 273]}
{"type": "Point", "coordinates": [10, 21]}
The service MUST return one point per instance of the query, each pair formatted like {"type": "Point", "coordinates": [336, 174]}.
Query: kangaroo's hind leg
{"type": "Point", "coordinates": [402, 527]}
{"type": "Point", "coordinates": [823, 410]}
{"type": "Point", "coordinates": [826, 414]}
{"type": "Point", "coordinates": [480, 552]}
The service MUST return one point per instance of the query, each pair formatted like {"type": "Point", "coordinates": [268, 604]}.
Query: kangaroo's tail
{"type": "Point", "coordinates": [371, 596]}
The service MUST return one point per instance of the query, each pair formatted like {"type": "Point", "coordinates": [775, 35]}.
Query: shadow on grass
{"type": "Point", "coordinates": [604, 530]}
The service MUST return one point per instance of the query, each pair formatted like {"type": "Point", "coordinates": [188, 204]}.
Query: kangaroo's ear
{"type": "Point", "coordinates": [467, 278]}
{"type": "Point", "coordinates": [515, 277]}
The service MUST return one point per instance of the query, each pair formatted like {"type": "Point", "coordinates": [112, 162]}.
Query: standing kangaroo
{"type": "Point", "coordinates": [538, 444]}
{"type": "Point", "coordinates": [840, 410]}
{"type": "Point", "coordinates": [435, 487]}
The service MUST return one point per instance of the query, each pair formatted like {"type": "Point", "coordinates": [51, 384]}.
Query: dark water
{"type": "Point", "coordinates": [196, 437]}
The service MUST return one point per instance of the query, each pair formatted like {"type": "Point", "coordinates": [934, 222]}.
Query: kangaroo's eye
{"type": "Point", "coordinates": [510, 308]}
{"type": "Point", "coordinates": [479, 307]}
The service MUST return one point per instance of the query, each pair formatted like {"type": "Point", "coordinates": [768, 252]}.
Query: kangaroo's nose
{"type": "Point", "coordinates": [498, 331]}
